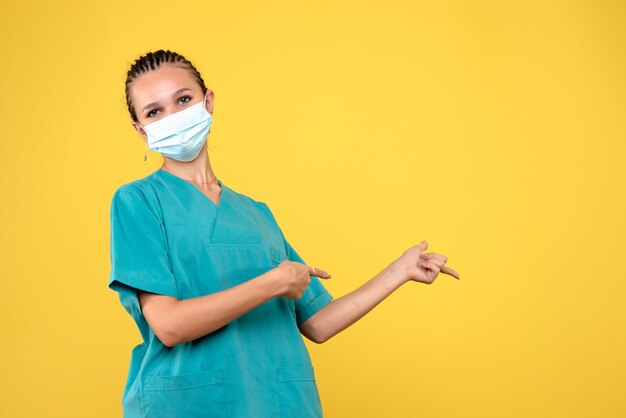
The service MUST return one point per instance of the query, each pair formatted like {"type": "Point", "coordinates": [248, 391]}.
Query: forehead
{"type": "Point", "coordinates": [160, 84]}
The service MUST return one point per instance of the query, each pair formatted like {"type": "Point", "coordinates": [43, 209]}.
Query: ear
{"type": "Point", "coordinates": [210, 97]}
{"type": "Point", "coordinates": [140, 131]}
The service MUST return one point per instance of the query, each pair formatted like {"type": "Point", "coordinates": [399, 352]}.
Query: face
{"type": "Point", "coordinates": [164, 91]}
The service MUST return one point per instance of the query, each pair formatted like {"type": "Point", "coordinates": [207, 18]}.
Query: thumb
{"type": "Point", "coordinates": [423, 245]}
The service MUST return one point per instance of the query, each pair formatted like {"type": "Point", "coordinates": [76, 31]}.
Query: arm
{"type": "Point", "coordinates": [342, 312]}
{"type": "Point", "coordinates": [176, 321]}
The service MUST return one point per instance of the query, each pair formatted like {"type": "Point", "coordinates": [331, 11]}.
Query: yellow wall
{"type": "Point", "coordinates": [494, 130]}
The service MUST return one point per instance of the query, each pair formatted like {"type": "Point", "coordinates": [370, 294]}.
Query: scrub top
{"type": "Point", "coordinates": [168, 237]}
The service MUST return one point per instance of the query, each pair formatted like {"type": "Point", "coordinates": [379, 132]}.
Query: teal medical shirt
{"type": "Point", "coordinates": [168, 237]}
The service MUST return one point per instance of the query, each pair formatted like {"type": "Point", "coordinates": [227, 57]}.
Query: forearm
{"type": "Point", "coordinates": [346, 310]}
{"type": "Point", "coordinates": [192, 318]}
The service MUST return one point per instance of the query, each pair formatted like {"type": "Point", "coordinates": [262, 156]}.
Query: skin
{"type": "Point", "coordinates": [160, 86]}
{"type": "Point", "coordinates": [176, 321]}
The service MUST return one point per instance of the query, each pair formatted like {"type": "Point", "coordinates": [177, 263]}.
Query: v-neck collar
{"type": "Point", "coordinates": [197, 190]}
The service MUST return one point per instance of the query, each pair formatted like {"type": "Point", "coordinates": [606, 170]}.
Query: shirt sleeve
{"type": "Point", "coordinates": [140, 257]}
{"type": "Point", "coordinates": [314, 298]}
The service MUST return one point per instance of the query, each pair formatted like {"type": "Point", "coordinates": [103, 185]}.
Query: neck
{"type": "Point", "coordinates": [198, 170]}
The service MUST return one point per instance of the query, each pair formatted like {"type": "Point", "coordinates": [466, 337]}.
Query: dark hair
{"type": "Point", "coordinates": [152, 61]}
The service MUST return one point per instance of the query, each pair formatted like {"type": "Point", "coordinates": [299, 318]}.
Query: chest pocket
{"type": "Point", "coordinates": [234, 246]}
{"type": "Point", "coordinates": [236, 223]}
{"type": "Point", "coordinates": [192, 232]}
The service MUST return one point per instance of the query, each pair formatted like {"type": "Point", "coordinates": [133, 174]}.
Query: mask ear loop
{"type": "Point", "coordinates": [210, 113]}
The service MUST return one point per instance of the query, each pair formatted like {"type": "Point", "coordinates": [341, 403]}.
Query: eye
{"type": "Point", "coordinates": [184, 99]}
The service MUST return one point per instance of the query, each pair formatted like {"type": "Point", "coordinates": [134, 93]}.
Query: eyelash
{"type": "Point", "coordinates": [183, 97]}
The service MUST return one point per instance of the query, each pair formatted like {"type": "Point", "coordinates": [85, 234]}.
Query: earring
{"type": "Point", "coordinates": [145, 155]}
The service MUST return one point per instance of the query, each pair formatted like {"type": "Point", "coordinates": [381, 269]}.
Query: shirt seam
{"type": "Point", "coordinates": [141, 195]}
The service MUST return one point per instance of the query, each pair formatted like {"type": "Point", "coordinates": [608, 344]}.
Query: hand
{"type": "Point", "coordinates": [295, 278]}
{"type": "Point", "coordinates": [422, 267]}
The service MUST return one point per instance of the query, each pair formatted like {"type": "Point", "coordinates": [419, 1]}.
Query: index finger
{"type": "Point", "coordinates": [448, 270]}
{"type": "Point", "coordinates": [314, 271]}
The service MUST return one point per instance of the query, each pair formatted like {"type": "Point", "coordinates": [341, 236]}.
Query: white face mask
{"type": "Point", "coordinates": [180, 135]}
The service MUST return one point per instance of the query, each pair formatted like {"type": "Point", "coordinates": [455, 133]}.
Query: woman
{"type": "Point", "coordinates": [219, 295]}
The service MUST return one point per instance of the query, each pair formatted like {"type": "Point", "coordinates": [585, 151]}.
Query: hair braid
{"type": "Point", "coordinates": [151, 61]}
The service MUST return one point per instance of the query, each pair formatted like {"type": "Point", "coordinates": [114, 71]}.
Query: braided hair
{"type": "Point", "coordinates": [152, 61]}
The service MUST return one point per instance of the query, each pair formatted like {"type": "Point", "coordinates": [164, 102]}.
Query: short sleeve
{"type": "Point", "coordinates": [314, 298]}
{"type": "Point", "coordinates": [139, 253]}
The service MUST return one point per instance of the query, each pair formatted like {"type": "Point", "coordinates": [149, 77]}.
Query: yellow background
{"type": "Point", "coordinates": [494, 130]}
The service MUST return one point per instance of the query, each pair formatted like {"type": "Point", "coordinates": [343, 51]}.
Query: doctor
{"type": "Point", "coordinates": [218, 293]}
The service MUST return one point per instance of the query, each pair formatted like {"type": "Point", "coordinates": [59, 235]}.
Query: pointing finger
{"type": "Point", "coordinates": [318, 273]}
{"type": "Point", "coordinates": [448, 270]}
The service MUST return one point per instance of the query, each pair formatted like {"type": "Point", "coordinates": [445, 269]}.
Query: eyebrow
{"type": "Point", "coordinates": [154, 104]}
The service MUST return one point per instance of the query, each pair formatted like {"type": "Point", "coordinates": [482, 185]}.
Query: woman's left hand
{"type": "Point", "coordinates": [422, 267]}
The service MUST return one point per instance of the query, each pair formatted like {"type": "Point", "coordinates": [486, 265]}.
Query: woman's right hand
{"type": "Point", "coordinates": [295, 278]}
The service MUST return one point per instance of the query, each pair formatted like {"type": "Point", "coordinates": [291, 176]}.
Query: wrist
{"type": "Point", "coordinates": [397, 273]}
{"type": "Point", "coordinates": [273, 282]}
